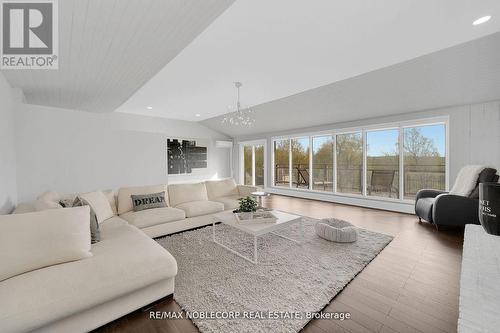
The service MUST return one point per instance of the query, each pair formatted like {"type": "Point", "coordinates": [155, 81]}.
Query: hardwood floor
{"type": "Point", "coordinates": [412, 286]}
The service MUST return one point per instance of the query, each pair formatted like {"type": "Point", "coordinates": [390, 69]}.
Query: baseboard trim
{"type": "Point", "coordinates": [393, 206]}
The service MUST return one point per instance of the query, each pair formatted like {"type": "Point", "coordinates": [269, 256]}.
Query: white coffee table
{"type": "Point", "coordinates": [284, 221]}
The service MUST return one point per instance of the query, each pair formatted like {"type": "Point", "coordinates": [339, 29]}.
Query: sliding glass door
{"type": "Point", "coordinates": [259, 166]}
{"type": "Point", "coordinates": [253, 165]}
{"type": "Point", "coordinates": [247, 165]}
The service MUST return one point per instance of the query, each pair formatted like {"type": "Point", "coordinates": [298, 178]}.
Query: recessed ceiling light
{"type": "Point", "coordinates": [481, 20]}
{"type": "Point", "coordinates": [149, 107]}
{"type": "Point", "coordinates": [198, 115]}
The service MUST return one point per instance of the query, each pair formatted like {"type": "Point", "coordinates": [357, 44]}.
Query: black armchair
{"type": "Point", "coordinates": [442, 208]}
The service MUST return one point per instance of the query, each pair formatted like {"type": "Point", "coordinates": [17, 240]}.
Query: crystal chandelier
{"type": "Point", "coordinates": [239, 116]}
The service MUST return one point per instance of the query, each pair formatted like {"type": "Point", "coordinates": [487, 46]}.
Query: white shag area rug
{"type": "Point", "coordinates": [289, 277]}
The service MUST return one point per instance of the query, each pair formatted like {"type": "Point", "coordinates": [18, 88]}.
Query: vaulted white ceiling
{"type": "Point", "coordinates": [110, 48]}
{"type": "Point", "coordinates": [460, 75]}
{"type": "Point", "coordinates": [280, 48]}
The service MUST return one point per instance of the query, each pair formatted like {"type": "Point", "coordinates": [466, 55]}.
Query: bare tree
{"type": "Point", "coordinates": [417, 145]}
{"type": "Point", "coordinates": [349, 149]}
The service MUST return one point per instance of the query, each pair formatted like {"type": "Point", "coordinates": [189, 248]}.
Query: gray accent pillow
{"type": "Point", "coordinates": [95, 235]}
{"type": "Point", "coordinates": [148, 201]}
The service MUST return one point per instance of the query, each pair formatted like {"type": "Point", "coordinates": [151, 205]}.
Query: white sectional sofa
{"type": "Point", "coordinates": [127, 269]}
{"type": "Point", "coordinates": [189, 205]}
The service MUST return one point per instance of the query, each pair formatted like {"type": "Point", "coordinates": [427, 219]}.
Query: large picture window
{"type": "Point", "coordinates": [300, 162]}
{"type": "Point", "coordinates": [349, 163]}
{"type": "Point", "coordinates": [382, 163]}
{"type": "Point", "coordinates": [385, 162]}
{"type": "Point", "coordinates": [282, 163]}
{"type": "Point", "coordinates": [322, 163]}
{"type": "Point", "coordinates": [424, 158]}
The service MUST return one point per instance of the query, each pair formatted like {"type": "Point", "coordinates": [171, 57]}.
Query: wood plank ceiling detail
{"type": "Point", "coordinates": [109, 48]}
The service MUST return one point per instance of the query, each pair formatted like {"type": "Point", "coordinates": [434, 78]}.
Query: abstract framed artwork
{"type": "Point", "coordinates": [185, 155]}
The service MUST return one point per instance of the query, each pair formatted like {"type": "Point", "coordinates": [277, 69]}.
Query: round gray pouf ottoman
{"type": "Point", "coordinates": [336, 230]}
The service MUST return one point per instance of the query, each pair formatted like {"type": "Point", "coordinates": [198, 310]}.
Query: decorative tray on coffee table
{"type": "Point", "coordinates": [260, 216]}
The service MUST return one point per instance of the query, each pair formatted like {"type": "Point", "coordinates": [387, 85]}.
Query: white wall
{"type": "Point", "coordinates": [474, 138]}
{"type": "Point", "coordinates": [8, 192]}
{"type": "Point", "coordinates": [72, 151]}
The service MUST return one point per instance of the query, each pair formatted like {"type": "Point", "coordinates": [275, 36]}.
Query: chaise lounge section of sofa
{"type": "Point", "coordinates": [127, 270]}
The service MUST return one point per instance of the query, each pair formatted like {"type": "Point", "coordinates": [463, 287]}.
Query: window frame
{"type": "Point", "coordinates": [400, 125]}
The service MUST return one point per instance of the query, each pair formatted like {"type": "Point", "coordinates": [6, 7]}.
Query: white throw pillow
{"type": "Point", "coordinates": [25, 207]}
{"type": "Point", "coordinates": [221, 188]}
{"type": "Point", "coordinates": [466, 180]}
{"type": "Point", "coordinates": [181, 193]}
{"type": "Point", "coordinates": [100, 205]}
{"type": "Point", "coordinates": [67, 200]}
{"type": "Point", "coordinates": [111, 198]}
{"type": "Point", "coordinates": [41, 204]}
{"type": "Point", "coordinates": [35, 240]}
{"type": "Point", "coordinates": [49, 196]}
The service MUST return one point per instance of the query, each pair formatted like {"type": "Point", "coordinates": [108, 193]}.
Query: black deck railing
{"type": "Point", "coordinates": [349, 178]}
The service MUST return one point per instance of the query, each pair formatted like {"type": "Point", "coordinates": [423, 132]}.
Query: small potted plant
{"type": "Point", "coordinates": [248, 205]}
